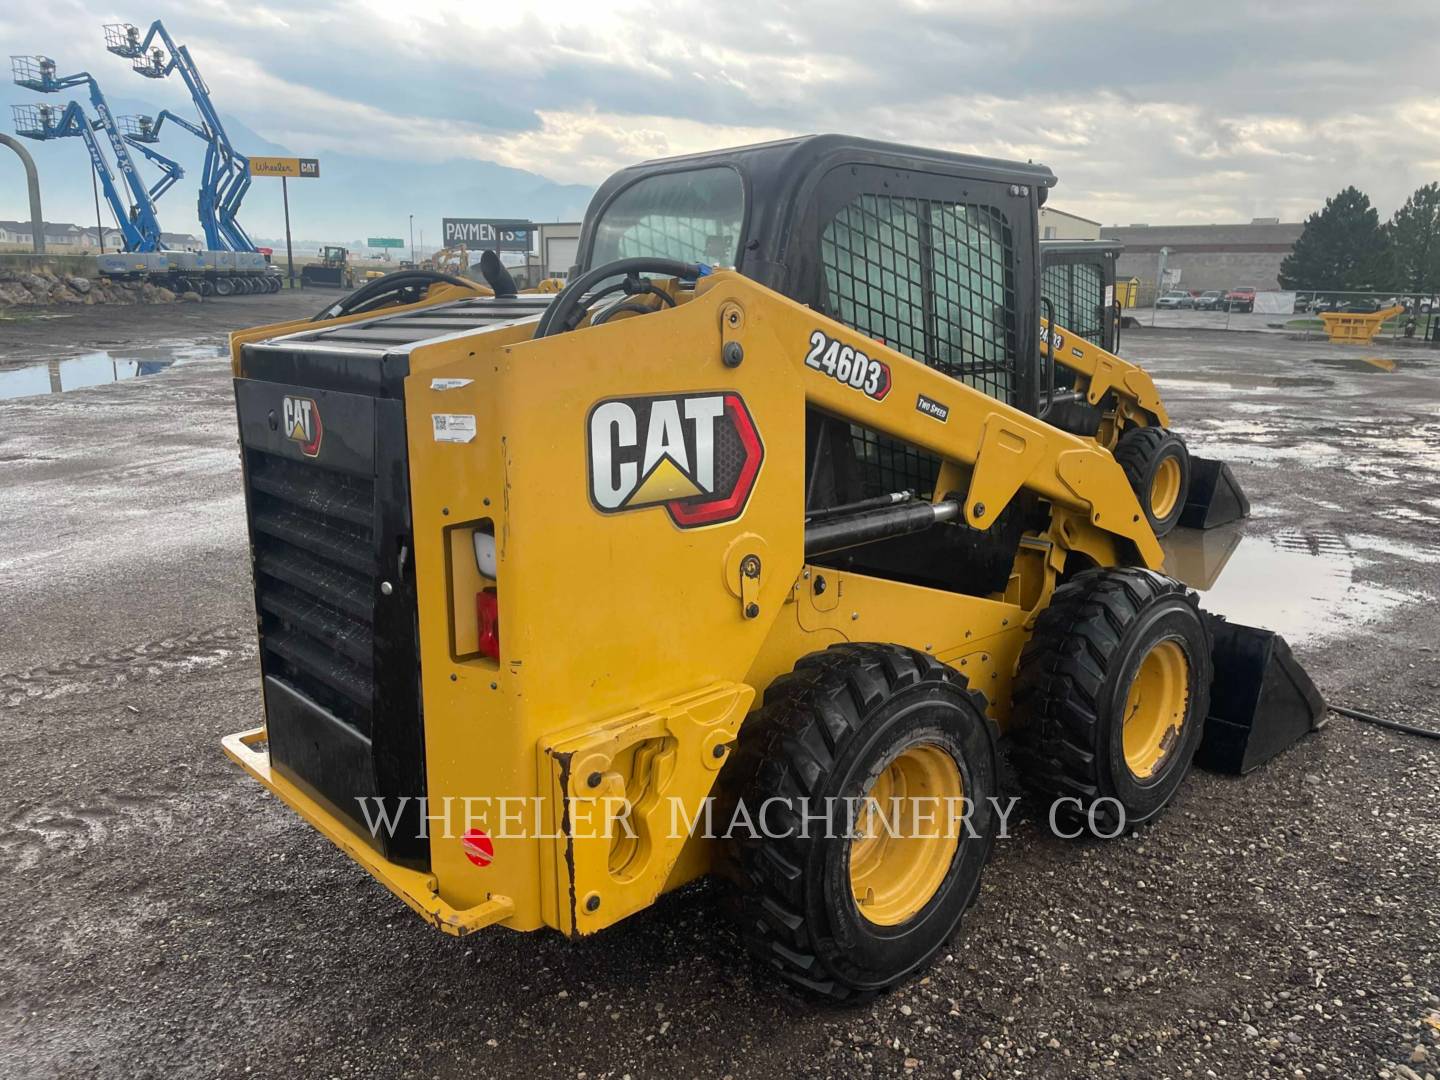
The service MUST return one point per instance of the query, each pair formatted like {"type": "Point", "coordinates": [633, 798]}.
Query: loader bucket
{"type": "Point", "coordinates": [1261, 699]}
{"type": "Point", "coordinates": [1215, 497]}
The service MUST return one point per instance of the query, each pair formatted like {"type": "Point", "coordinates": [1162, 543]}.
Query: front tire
{"type": "Point", "coordinates": [1157, 464]}
{"type": "Point", "coordinates": [847, 907]}
{"type": "Point", "coordinates": [1111, 696]}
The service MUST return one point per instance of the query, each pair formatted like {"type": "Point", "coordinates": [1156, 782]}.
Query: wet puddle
{"type": "Point", "coordinates": [1300, 583]}
{"type": "Point", "coordinates": [96, 369]}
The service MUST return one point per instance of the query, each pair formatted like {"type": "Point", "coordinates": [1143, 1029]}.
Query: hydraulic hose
{"type": "Point", "coordinates": [373, 293]}
{"type": "Point", "coordinates": [1380, 721]}
{"type": "Point", "coordinates": [556, 319]}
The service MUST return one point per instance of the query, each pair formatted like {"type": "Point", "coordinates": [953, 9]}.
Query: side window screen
{"type": "Point", "coordinates": [931, 279]}
{"type": "Point", "coordinates": [935, 281]}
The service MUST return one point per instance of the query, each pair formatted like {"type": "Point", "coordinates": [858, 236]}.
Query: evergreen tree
{"type": "Point", "coordinates": [1342, 247]}
{"type": "Point", "coordinates": [1414, 234]}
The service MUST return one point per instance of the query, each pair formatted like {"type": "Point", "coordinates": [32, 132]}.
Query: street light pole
{"type": "Point", "coordinates": [412, 239]}
{"type": "Point", "coordinates": [1159, 283]}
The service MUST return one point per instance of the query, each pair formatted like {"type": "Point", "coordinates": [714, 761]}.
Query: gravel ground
{"type": "Point", "coordinates": [163, 917]}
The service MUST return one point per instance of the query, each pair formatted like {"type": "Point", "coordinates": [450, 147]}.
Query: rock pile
{"type": "Point", "coordinates": [24, 288]}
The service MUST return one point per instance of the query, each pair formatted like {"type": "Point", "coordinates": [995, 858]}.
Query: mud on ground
{"type": "Point", "coordinates": [164, 917]}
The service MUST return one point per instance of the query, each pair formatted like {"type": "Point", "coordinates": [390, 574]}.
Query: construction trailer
{"type": "Point", "coordinates": [777, 508]}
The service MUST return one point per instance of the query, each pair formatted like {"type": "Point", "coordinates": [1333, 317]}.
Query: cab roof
{"type": "Point", "coordinates": [779, 175]}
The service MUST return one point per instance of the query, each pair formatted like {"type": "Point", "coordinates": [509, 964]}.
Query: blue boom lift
{"type": "Point", "coordinates": [137, 221]}
{"type": "Point", "coordinates": [53, 122]}
{"type": "Point", "coordinates": [226, 177]}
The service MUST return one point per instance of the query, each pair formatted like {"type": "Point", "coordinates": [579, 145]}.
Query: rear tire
{"type": "Point", "coordinates": [1111, 696]}
{"type": "Point", "coordinates": [845, 725]}
{"type": "Point", "coordinates": [224, 286]}
{"type": "Point", "coordinates": [1157, 464]}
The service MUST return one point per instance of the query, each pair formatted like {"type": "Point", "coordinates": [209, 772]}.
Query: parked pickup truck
{"type": "Point", "coordinates": [1241, 299]}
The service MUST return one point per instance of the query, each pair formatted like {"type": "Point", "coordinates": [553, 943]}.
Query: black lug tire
{"type": "Point", "coordinates": [1140, 452]}
{"type": "Point", "coordinates": [1067, 708]}
{"type": "Point", "coordinates": [826, 730]}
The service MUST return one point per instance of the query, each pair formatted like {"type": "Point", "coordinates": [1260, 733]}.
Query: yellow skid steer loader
{"type": "Point", "coordinates": [746, 554]}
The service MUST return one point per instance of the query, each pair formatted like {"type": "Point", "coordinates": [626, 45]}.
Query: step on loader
{"type": "Point", "coordinates": [747, 554]}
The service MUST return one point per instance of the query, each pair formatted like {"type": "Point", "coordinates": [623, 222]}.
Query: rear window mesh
{"type": "Point", "coordinates": [933, 280]}
{"type": "Point", "coordinates": [1077, 291]}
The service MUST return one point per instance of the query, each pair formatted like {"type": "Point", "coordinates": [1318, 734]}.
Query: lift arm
{"type": "Point", "coordinates": [1002, 448]}
{"type": "Point", "coordinates": [1105, 372]}
{"type": "Point", "coordinates": [171, 171]}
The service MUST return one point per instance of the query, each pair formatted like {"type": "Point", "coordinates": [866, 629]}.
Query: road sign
{"type": "Point", "coordinates": [307, 167]}
{"type": "Point", "coordinates": [499, 234]}
{"type": "Point", "coordinates": [384, 242]}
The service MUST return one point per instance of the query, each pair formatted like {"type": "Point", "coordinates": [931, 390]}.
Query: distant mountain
{"type": "Point", "coordinates": [356, 195]}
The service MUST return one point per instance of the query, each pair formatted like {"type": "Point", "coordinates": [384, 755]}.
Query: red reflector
{"type": "Point", "coordinates": [487, 608]}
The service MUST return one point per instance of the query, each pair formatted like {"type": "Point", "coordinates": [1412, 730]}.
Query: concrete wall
{"type": "Point", "coordinates": [1207, 256]}
{"type": "Point", "coordinates": [60, 265]}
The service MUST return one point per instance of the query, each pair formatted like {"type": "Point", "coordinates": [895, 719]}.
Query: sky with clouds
{"type": "Point", "coordinates": [1155, 112]}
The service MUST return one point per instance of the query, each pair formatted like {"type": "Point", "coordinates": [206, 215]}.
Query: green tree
{"type": "Point", "coordinates": [1414, 234]}
{"type": "Point", "coordinates": [1342, 247]}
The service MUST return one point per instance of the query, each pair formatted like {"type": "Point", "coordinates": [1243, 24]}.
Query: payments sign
{"type": "Point", "coordinates": [497, 234]}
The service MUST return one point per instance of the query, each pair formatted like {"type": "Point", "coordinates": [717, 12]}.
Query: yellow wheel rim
{"type": "Point", "coordinates": [1155, 708]}
{"type": "Point", "coordinates": [1165, 488]}
{"type": "Point", "coordinates": [906, 832]}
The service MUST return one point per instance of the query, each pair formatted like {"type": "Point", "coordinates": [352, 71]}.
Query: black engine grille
{"type": "Point", "coordinates": [315, 576]}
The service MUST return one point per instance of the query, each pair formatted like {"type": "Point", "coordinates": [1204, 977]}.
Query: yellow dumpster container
{"type": "Point", "coordinates": [1353, 329]}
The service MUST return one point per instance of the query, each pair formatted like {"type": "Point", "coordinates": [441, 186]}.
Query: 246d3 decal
{"type": "Point", "coordinates": [848, 366]}
{"type": "Point", "coordinates": [697, 455]}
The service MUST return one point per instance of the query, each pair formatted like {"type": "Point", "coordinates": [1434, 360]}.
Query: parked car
{"type": "Point", "coordinates": [1364, 305]}
{"type": "Point", "coordinates": [1241, 299]}
{"type": "Point", "coordinates": [1175, 299]}
{"type": "Point", "coordinates": [1210, 300]}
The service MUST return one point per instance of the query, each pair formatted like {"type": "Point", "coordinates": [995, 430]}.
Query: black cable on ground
{"type": "Point", "coordinates": [1393, 725]}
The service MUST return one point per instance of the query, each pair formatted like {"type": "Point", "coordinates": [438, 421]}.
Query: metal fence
{"type": "Point", "coordinates": [1293, 311]}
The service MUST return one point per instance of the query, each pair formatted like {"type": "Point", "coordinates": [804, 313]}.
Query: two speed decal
{"type": "Point", "coordinates": [848, 366]}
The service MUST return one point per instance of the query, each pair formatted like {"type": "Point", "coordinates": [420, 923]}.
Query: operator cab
{"type": "Point", "coordinates": [934, 254]}
{"type": "Point", "coordinates": [1077, 277]}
